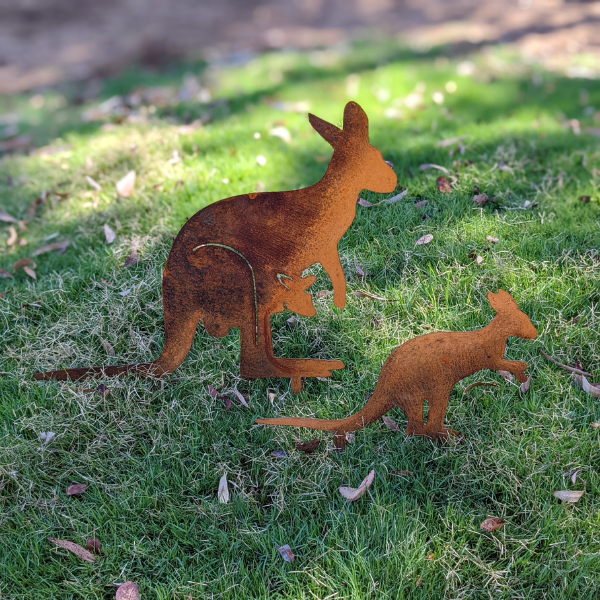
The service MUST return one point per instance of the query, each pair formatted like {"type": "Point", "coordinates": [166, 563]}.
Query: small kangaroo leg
{"type": "Point", "coordinates": [435, 419]}
{"type": "Point", "coordinates": [333, 267]}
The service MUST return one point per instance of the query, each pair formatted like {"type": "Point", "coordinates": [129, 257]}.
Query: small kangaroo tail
{"type": "Point", "coordinates": [144, 369]}
{"type": "Point", "coordinates": [375, 408]}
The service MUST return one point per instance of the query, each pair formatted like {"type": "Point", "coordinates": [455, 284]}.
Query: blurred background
{"type": "Point", "coordinates": [45, 42]}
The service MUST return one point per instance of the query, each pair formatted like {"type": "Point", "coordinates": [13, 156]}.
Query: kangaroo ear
{"type": "Point", "coordinates": [356, 122]}
{"type": "Point", "coordinates": [330, 133]}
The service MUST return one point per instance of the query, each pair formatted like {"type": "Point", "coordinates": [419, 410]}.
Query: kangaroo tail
{"type": "Point", "coordinates": [375, 408]}
{"type": "Point", "coordinates": [144, 369]}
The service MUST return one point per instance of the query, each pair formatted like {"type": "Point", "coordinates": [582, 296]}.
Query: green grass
{"type": "Point", "coordinates": [152, 452]}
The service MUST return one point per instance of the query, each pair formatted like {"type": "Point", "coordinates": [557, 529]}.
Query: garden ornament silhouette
{"type": "Point", "coordinates": [426, 368]}
{"type": "Point", "coordinates": [240, 260]}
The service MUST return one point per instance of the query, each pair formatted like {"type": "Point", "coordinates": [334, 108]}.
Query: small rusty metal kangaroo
{"type": "Point", "coordinates": [426, 368]}
{"type": "Point", "coordinates": [240, 260]}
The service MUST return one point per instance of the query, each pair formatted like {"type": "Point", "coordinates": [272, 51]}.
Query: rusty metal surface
{"type": "Point", "coordinates": [426, 368]}
{"type": "Point", "coordinates": [240, 260]}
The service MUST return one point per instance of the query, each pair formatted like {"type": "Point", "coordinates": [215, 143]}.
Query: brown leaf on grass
{"type": "Point", "coordinates": [592, 425]}
{"type": "Point", "coordinates": [223, 492]}
{"type": "Point", "coordinates": [390, 423]}
{"type": "Point", "coordinates": [76, 549]}
{"type": "Point", "coordinates": [126, 185]}
{"type": "Point", "coordinates": [32, 208]}
{"type": "Point", "coordinates": [309, 447]}
{"type": "Point", "coordinates": [443, 185]}
{"type": "Point", "coordinates": [4, 274]}
{"type": "Point", "coordinates": [492, 524]}
{"type": "Point", "coordinates": [106, 282]}
{"type": "Point", "coordinates": [212, 392]}
{"type": "Point", "coordinates": [324, 294]}
{"type": "Point", "coordinates": [93, 545]}
{"type": "Point", "coordinates": [573, 473]}
{"type": "Point", "coordinates": [491, 240]}
{"type": "Point", "coordinates": [286, 553]}
{"type": "Point", "coordinates": [425, 166]}
{"type": "Point", "coordinates": [128, 591]}
{"type": "Point", "coordinates": [279, 453]}
{"type": "Point", "coordinates": [402, 472]}
{"type": "Point", "coordinates": [22, 242]}
{"type": "Point", "coordinates": [109, 234]}
{"type": "Point", "coordinates": [524, 387]}
{"type": "Point", "coordinates": [132, 259]}
{"type": "Point", "coordinates": [361, 294]}
{"type": "Point", "coordinates": [240, 397]}
{"type": "Point", "coordinates": [30, 272]}
{"type": "Point", "coordinates": [60, 247]}
{"type": "Point", "coordinates": [426, 239]}
{"type": "Point", "coordinates": [291, 321]}
{"type": "Point", "coordinates": [478, 384]}
{"type": "Point", "coordinates": [571, 496]}
{"type": "Point", "coordinates": [396, 198]}
{"type": "Point", "coordinates": [590, 388]}
{"type": "Point", "coordinates": [358, 269]}
{"type": "Point", "coordinates": [23, 262]}
{"type": "Point", "coordinates": [108, 347]}
{"type": "Point", "coordinates": [480, 199]}
{"type": "Point", "coordinates": [421, 203]}
{"type": "Point", "coordinates": [508, 376]}
{"type": "Point", "coordinates": [7, 291]}
{"type": "Point", "coordinates": [76, 489]}
{"type": "Point", "coordinates": [352, 494]}
{"type": "Point", "coordinates": [364, 203]}
{"type": "Point", "coordinates": [585, 199]}
{"type": "Point", "coordinates": [93, 183]}
{"type": "Point", "coordinates": [102, 390]}
{"type": "Point", "coordinates": [12, 237]}
{"type": "Point", "coordinates": [6, 218]}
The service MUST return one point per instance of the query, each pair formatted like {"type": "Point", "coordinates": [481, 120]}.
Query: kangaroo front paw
{"type": "Point", "coordinates": [339, 300]}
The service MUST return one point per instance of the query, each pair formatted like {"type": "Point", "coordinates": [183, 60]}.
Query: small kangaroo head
{"type": "Point", "coordinates": [297, 299]}
{"type": "Point", "coordinates": [518, 322]}
{"type": "Point", "coordinates": [371, 171]}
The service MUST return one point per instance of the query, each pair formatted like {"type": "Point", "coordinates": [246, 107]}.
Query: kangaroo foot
{"type": "Point", "coordinates": [306, 367]}
{"type": "Point", "coordinates": [445, 434]}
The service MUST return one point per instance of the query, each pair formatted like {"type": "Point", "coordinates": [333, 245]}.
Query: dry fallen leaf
{"type": "Point", "coordinates": [478, 384]}
{"type": "Point", "coordinates": [508, 376]}
{"type": "Point", "coordinates": [397, 197]}
{"type": "Point", "coordinates": [240, 397]}
{"type": "Point", "coordinates": [424, 240]}
{"type": "Point", "coordinates": [358, 269]}
{"type": "Point", "coordinates": [128, 591]}
{"type": "Point", "coordinates": [109, 234]}
{"type": "Point", "coordinates": [365, 203]}
{"type": "Point", "coordinates": [126, 185]}
{"type": "Point", "coordinates": [443, 185]}
{"type": "Point", "coordinates": [568, 495]}
{"type": "Point", "coordinates": [421, 203]}
{"type": "Point", "coordinates": [282, 133]}
{"type": "Point", "coordinates": [309, 447]}
{"type": "Point", "coordinates": [76, 489]}
{"type": "Point", "coordinates": [102, 390]}
{"type": "Point", "coordinates": [524, 387]}
{"type": "Point", "coordinates": [491, 240]}
{"type": "Point", "coordinates": [279, 453]}
{"type": "Point", "coordinates": [492, 524]}
{"type": "Point", "coordinates": [23, 262]}
{"type": "Point", "coordinates": [390, 423]}
{"type": "Point", "coordinates": [74, 548]}
{"type": "Point", "coordinates": [286, 553]}
{"type": "Point", "coordinates": [595, 425]}
{"type": "Point", "coordinates": [402, 472]}
{"type": "Point", "coordinates": [432, 166]}
{"type": "Point", "coordinates": [30, 272]}
{"type": "Point", "coordinates": [93, 545]}
{"type": "Point", "coordinates": [362, 294]}
{"type": "Point", "coordinates": [212, 392]}
{"type": "Point", "coordinates": [6, 218]}
{"type": "Point", "coordinates": [590, 388]}
{"type": "Point", "coordinates": [324, 294]}
{"type": "Point", "coordinates": [93, 183]}
{"type": "Point", "coordinates": [132, 259]}
{"type": "Point", "coordinates": [12, 238]}
{"type": "Point", "coordinates": [4, 274]}
{"type": "Point", "coordinates": [4, 293]}
{"type": "Point", "coordinates": [108, 347]}
{"type": "Point", "coordinates": [480, 199]}
{"type": "Point", "coordinates": [352, 494]}
{"type": "Point", "coordinates": [60, 247]}
{"type": "Point", "coordinates": [223, 493]}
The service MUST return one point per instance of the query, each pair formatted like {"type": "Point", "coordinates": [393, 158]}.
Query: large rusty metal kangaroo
{"type": "Point", "coordinates": [426, 368]}
{"type": "Point", "coordinates": [240, 260]}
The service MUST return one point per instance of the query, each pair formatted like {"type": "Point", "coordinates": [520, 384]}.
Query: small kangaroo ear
{"type": "Point", "coordinates": [356, 122]}
{"type": "Point", "coordinates": [330, 133]}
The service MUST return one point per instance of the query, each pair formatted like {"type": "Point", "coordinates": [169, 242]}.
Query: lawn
{"type": "Point", "coordinates": [152, 452]}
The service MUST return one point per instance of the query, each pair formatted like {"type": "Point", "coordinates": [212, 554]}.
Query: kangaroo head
{"type": "Point", "coordinates": [371, 171]}
{"type": "Point", "coordinates": [297, 299]}
{"type": "Point", "coordinates": [507, 309]}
